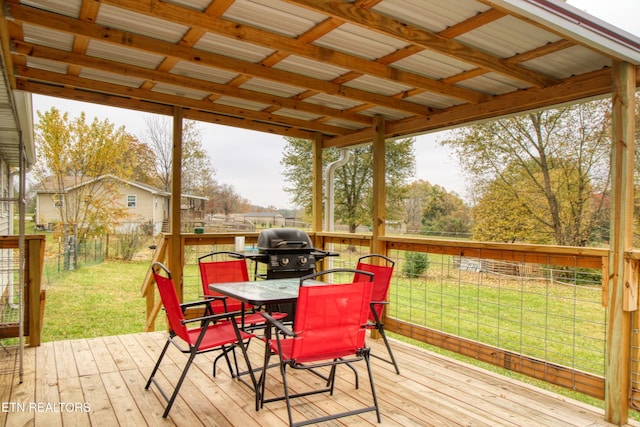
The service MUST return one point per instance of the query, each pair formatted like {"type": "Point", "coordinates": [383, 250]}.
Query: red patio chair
{"type": "Point", "coordinates": [215, 332]}
{"type": "Point", "coordinates": [227, 270]}
{"type": "Point", "coordinates": [329, 330]}
{"type": "Point", "coordinates": [382, 279]}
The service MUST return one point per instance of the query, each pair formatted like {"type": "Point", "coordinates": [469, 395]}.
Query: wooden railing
{"type": "Point", "coordinates": [33, 294]}
{"type": "Point", "coordinates": [571, 258]}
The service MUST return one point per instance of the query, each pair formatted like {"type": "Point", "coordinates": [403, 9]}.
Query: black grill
{"type": "Point", "coordinates": [288, 252]}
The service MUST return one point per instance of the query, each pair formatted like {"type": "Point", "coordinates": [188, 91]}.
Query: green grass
{"type": "Point", "coordinates": [94, 301]}
{"type": "Point", "coordinates": [557, 323]}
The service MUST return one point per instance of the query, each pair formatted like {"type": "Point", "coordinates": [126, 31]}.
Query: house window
{"type": "Point", "coordinates": [132, 201]}
{"type": "Point", "coordinates": [58, 200]}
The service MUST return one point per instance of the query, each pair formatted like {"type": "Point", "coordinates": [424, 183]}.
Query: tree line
{"type": "Point", "coordinates": [542, 177]}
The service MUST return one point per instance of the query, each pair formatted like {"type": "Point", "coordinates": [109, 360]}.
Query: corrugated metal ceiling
{"type": "Point", "coordinates": [301, 67]}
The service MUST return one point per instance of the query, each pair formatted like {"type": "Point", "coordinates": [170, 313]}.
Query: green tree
{"type": "Point", "coordinates": [430, 209]}
{"type": "Point", "coordinates": [444, 213]}
{"type": "Point", "coordinates": [353, 181]}
{"type": "Point", "coordinates": [552, 166]}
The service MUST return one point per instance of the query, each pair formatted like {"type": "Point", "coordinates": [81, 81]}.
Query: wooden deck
{"type": "Point", "coordinates": [106, 376]}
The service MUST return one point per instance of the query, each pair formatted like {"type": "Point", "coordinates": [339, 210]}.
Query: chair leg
{"type": "Point", "coordinates": [180, 381]}
{"type": "Point", "coordinates": [254, 382]}
{"type": "Point", "coordinates": [366, 355]}
{"type": "Point", "coordinates": [332, 378]}
{"type": "Point", "coordinates": [155, 368]}
{"type": "Point", "coordinates": [386, 343]}
{"type": "Point", "coordinates": [283, 371]}
{"type": "Point", "coordinates": [225, 354]}
{"type": "Point", "coordinates": [263, 378]}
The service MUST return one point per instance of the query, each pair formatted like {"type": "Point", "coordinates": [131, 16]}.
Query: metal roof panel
{"type": "Point", "coordinates": [63, 7]}
{"type": "Point", "coordinates": [232, 48]}
{"type": "Point", "coordinates": [271, 87]}
{"type": "Point", "coordinates": [118, 79]}
{"type": "Point", "coordinates": [125, 55]}
{"type": "Point", "coordinates": [568, 62]}
{"type": "Point", "coordinates": [241, 103]}
{"type": "Point", "coordinates": [46, 37]}
{"type": "Point", "coordinates": [337, 102]}
{"type": "Point", "coordinates": [47, 65]}
{"type": "Point", "coordinates": [270, 15]}
{"type": "Point", "coordinates": [432, 15]}
{"type": "Point", "coordinates": [127, 20]}
{"type": "Point", "coordinates": [507, 37]}
{"type": "Point", "coordinates": [179, 91]}
{"type": "Point", "coordinates": [360, 42]}
{"type": "Point", "coordinates": [311, 68]}
{"type": "Point", "coordinates": [202, 72]}
{"type": "Point", "coordinates": [377, 85]}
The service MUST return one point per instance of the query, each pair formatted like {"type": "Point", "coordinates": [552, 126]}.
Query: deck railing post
{"type": "Point", "coordinates": [618, 348]}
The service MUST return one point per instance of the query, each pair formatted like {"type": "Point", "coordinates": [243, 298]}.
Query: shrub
{"type": "Point", "coordinates": [415, 264]}
{"type": "Point", "coordinates": [130, 242]}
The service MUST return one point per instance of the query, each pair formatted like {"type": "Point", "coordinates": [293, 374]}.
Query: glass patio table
{"type": "Point", "coordinates": [262, 293]}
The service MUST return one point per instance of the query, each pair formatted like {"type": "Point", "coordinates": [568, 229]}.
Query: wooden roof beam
{"type": "Point", "coordinates": [106, 65]}
{"type": "Point", "coordinates": [297, 47]}
{"type": "Point", "coordinates": [163, 98]}
{"type": "Point", "coordinates": [159, 47]}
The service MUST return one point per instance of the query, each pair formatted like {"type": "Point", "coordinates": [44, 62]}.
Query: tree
{"type": "Point", "coordinates": [444, 213]}
{"type": "Point", "coordinates": [353, 181]}
{"type": "Point", "coordinates": [197, 171]}
{"type": "Point", "coordinates": [549, 166]}
{"type": "Point", "coordinates": [226, 200]}
{"type": "Point", "coordinates": [430, 209]}
{"type": "Point", "coordinates": [73, 154]}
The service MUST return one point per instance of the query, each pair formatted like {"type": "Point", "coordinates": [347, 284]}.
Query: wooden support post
{"type": "Point", "coordinates": [34, 263]}
{"type": "Point", "coordinates": [621, 297]}
{"type": "Point", "coordinates": [379, 186]}
{"type": "Point", "coordinates": [379, 196]}
{"type": "Point", "coordinates": [174, 253]}
{"type": "Point", "coordinates": [316, 149]}
{"type": "Point", "coordinates": [317, 192]}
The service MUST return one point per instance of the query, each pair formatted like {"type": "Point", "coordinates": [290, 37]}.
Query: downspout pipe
{"type": "Point", "coordinates": [329, 206]}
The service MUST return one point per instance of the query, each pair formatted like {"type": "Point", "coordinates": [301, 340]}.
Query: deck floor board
{"type": "Point", "coordinates": [108, 375]}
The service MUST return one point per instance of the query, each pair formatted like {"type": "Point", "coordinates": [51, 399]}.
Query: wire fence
{"type": "Point", "coordinates": [69, 257]}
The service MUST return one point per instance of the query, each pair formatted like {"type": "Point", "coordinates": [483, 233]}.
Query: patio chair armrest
{"type": "Point", "coordinates": [379, 302]}
{"type": "Point", "coordinates": [212, 318]}
{"type": "Point", "coordinates": [213, 297]}
{"type": "Point", "coordinates": [193, 304]}
{"type": "Point", "coordinates": [279, 325]}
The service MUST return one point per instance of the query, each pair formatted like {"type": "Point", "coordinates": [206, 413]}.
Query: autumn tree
{"type": "Point", "coordinates": [197, 171]}
{"type": "Point", "coordinates": [226, 200]}
{"type": "Point", "coordinates": [550, 166]}
{"type": "Point", "coordinates": [75, 154]}
{"type": "Point", "coordinates": [431, 209]}
{"type": "Point", "coordinates": [353, 181]}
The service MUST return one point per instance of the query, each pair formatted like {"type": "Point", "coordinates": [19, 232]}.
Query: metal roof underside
{"type": "Point", "coordinates": [302, 67]}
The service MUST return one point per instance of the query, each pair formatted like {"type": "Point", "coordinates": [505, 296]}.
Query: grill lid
{"type": "Point", "coordinates": [289, 239]}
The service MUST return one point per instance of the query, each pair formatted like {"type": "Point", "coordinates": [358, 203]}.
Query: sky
{"type": "Point", "coordinates": [250, 161]}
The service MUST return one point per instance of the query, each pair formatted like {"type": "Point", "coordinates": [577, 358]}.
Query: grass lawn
{"type": "Point", "coordinates": [94, 301]}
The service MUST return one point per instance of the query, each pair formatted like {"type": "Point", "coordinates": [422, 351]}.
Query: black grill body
{"type": "Point", "coordinates": [288, 252]}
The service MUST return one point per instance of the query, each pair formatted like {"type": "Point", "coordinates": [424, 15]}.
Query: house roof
{"type": "Point", "coordinates": [50, 185]}
{"type": "Point", "coordinates": [306, 67]}
{"type": "Point", "coordinates": [69, 183]}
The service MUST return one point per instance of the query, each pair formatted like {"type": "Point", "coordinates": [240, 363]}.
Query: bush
{"type": "Point", "coordinates": [415, 264]}
{"type": "Point", "coordinates": [130, 242]}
